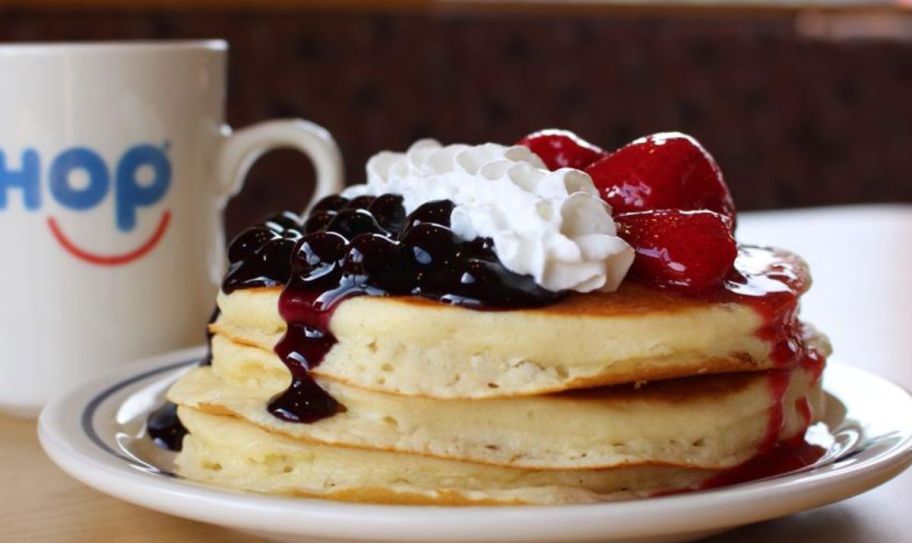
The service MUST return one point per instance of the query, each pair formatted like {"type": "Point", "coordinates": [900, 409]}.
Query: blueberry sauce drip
{"type": "Point", "coordinates": [206, 360]}
{"type": "Point", "coordinates": [165, 429]}
{"type": "Point", "coordinates": [363, 246]}
{"type": "Point", "coordinates": [163, 426]}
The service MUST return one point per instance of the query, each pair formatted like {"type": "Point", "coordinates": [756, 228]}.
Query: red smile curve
{"type": "Point", "coordinates": [110, 260]}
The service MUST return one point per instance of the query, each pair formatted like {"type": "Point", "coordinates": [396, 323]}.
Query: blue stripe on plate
{"type": "Point", "coordinates": [88, 414]}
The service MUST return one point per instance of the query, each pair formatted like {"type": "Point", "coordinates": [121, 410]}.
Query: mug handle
{"type": "Point", "coordinates": [240, 149]}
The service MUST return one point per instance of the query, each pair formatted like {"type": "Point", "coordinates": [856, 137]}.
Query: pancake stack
{"type": "Point", "coordinates": [593, 398]}
{"type": "Point", "coordinates": [544, 323]}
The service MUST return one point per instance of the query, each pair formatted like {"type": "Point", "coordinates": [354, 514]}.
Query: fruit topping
{"type": "Point", "coordinates": [663, 171]}
{"type": "Point", "coordinates": [562, 149]}
{"type": "Point", "coordinates": [670, 203]}
{"type": "Point", "coordinates": [164, 427]}
{"type": "Point", "coordinates": [437, 212]}
{"type": "Point", "coordinates": [259, 256]}
{"type": "Point", "coordinates": [318, 220]}
{"type": "Point", "coordinates": [351, 222]}
{"type": "Point", "coordinates": [285, 222]}
{"type": "Point", "coordinates": [331, 203]}
{"type": "Point", "coordinates": [369, 245]}
{"type": "Point", "coordinates": [360, 202]}
{"type": "Point", "coordinates": [691, 250]}
{"type": "Point", "coordinates": [388, 211]}
{"type": "Point", "coordinates": [365, 246]}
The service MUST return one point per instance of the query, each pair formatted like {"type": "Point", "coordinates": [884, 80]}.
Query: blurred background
{"type": "Point", "coordinates": [802, 104]}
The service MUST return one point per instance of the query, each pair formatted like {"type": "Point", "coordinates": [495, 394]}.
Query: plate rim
{"type": "Point", "coordinates": [114, 474]}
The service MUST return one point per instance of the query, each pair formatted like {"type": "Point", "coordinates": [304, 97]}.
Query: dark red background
{"type": "Point", "coordinates": [792, 120]}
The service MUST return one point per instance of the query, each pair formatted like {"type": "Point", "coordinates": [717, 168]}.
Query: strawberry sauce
{"type": "Point", "coordinates": [778, 385]}
{"type": "Point", "coordinates": [771, 282]}
{"type": "Point", "coordinates": [782, 458]}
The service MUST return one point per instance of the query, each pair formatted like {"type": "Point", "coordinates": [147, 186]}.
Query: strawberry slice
{"type": "Point", "coordinates": [562, 149]}
{"type": "Point", "coordinates": [691, 250]}
{"type": "Point", "coordinates": [669, 170]}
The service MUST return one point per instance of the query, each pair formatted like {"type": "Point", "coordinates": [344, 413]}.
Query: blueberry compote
{"type": "Point", "coordinates": [363, 246]}
{"type": "Point", "coordinates": [163, 425]}
{"type": "Point", "coordinates": [165, 429]}
{"type": "Point", "coordinates": [260, 255]}
{"type": "Point", "coordinates": [206, 360]}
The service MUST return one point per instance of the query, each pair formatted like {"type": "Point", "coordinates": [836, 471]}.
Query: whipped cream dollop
{"type": "Point", "coordinates": [551, 225]}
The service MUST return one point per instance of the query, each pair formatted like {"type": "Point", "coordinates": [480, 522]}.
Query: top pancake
{"type": "Point", "coordinates": [414, 346]}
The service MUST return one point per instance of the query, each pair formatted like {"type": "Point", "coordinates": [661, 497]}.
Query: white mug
{"type": "Point", "coordinates": [115, 166]}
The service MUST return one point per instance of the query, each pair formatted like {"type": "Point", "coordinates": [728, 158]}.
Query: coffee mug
{"type": "Point", "coordinates": [115, 167]}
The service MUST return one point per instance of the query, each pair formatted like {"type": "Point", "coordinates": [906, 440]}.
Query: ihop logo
{"type": "Point", "coordinates": [80, 179]}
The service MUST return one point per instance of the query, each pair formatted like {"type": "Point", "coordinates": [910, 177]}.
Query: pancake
{"type": "Point", "coordinates": [711, 421]}
{"type": "Point", "coordinates": [229, 452]}
{"type": "Point", "coordinates": [419, 347]}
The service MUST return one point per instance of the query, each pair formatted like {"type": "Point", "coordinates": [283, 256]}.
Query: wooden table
{"type": "Point", "coordinates": [862, 297]}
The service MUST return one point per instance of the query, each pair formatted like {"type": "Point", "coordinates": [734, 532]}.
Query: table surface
{"type": "Point", "coordinates": [861, 297]}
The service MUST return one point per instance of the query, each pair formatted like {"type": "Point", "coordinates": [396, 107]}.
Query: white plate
{"type": "Point", "coordinates": [96, 434]}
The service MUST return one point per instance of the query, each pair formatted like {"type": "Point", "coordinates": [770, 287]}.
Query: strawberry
{"type": "Point", "coordinates": [562, 149]}
{"type": "Point", "coordinates": [669, 170]}
{"type": "Point", "coordinates": [692, 250]}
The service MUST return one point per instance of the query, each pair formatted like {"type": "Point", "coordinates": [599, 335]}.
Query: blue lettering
{"type": "Point", "coordinates": [65, 164]}
{"type": "Point", "coordinates": [27, 179]}
{"type": "Point", "coordinates": [130, 193]}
